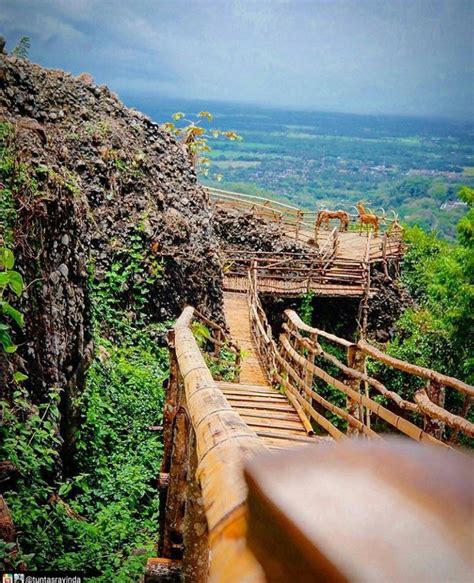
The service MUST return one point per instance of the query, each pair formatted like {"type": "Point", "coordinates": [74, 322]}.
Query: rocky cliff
{"type": "Point", "coordinates": [88, 177]}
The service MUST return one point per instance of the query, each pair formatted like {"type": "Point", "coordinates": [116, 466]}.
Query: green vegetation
{"type": "Point", "coordinates": [103, 520]}
{"type": "Point", "coordinates": [437, 331]}
{"type": "Point", "coordinates": [9, 178]}
{"type": "Point", "coordinates": [306, 308]}
{"type": "Point", "coordinates": [22, 49]}
{"type": "Point", "coordinates": [440, 276]}
{"type": "Point", "coordinates": [10, 282]}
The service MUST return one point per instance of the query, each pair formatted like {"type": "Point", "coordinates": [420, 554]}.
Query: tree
{"type": "Point", "coordinates": [22, 49]}
{"type": "Point", "coordinates": [194, 138]}
{"type": "Point", "coordinates": [465, 226]}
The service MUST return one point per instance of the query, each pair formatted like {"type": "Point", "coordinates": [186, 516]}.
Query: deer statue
{"type": "Point", "coordinates": [395, 228]}
{"type": "Point", "coordinates": [325, 215]}
{"type": "Point", "coordinates": [367, 219]}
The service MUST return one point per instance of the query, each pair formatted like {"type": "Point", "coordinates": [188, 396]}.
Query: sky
{"type": "Point", "coordinates": [406, 57]}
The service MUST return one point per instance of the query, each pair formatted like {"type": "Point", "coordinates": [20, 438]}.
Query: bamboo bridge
{"type": "Point", "coordinates": [332, 263]}
{"type": "Point", "coordinates": [279, 463]}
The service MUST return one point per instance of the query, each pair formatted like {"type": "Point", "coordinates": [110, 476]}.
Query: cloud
{"type": "Point", "coordinates": [372, 56]}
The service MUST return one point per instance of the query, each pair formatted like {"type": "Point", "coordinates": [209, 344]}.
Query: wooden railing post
{"type": "Point", "coordinates": [384, 254]}
{"type": "Point", "coordinates": [171, 535]}
{"type": "Point", "coordinates": [437, 394]}
{"type": "Point", "coordinates": [316, 232]}
{"type": "Point", "coordinates": [169, 416]}
{"type": "Point", "coordinates": [309, 376]}
{"type": "Point", "coordinates": [356, 361]}
{"type": "Point", "coordinates": [365, 300]}
{"type": "Point", "coordinates": [299, 217]}
{"type": "Point", "coordinates": [335, 243]}
{"type": "Point", "coordinates": [196, 537]}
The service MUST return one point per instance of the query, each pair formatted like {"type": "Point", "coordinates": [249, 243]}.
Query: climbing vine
{"type": "Point", "coordinates": [307, 308]}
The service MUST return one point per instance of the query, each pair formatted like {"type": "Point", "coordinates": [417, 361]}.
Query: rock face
{"type": "Point", "coordinates": [246, 231]}
{"type": "Point", "coordinates": [386, 307]}
{"type": "Point", "coordinates": [96, 175]}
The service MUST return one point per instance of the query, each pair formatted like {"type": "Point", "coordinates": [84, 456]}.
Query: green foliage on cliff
{"type": "Point", "coordinates": [102, 520]}
{"type": "Point", "coordinates": [437, 331]}
{"type": "Point", "coordinates": [440, 276]}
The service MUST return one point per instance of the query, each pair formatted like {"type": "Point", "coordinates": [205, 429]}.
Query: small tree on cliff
{"type": "Point", "coordinates": [195, 138]}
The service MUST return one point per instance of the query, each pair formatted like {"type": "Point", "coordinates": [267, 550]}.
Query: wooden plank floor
{"type": "Point", "coordinates": [237, 316]}
{"type": "Point", "coordinates": [294, 288]}
{"type": "Point", "coordinates": [266, 411]}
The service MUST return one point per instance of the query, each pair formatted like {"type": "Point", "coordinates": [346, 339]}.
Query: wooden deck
{"type": "Point", "coordinates": [266, 411]}
{"type": "Point", "coordinates": [281, 287]}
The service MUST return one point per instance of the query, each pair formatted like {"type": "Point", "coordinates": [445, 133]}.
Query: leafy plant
{"type": "Point", "coordinates": [8, 174]}
{"type": "Point", "coordinates": [195, 138]}
{"type": "Point", "coordinates": [10, 280]}
{"type": "Point", "coordinates": [437, 331]}
{"type": "Point", "coordinates": [306, 308]}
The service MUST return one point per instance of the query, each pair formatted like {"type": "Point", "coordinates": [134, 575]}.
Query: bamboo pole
{"type": "Point", "coordinates": [195, 534]}
{"type": "Point", "coordinates": [355, 361]}
{"type": "Point", "coordinates": [436, 412]}
{"type": "Point", "coordinates": [351, 420]}
{"type": "Point", "coordinates": [223, 442]}
{"type": "Point", "coordinates": [172, 533]}
{"type": "Point", "coordinates": [398, 422]}
{"type": "Point", "coordinates": [416, 370]}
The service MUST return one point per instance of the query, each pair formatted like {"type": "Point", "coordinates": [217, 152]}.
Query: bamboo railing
{"type": "Point", "coordinates": [323, 271]}
{"type": "Point", "coordinates": [215, 339]}
{"type": "Point", "coordinates": [294, 365]}
{"type": "Point", "coordinates": [298, 223]}
{"type": "Point", "coordinates": [299, 272]}
{"type": "Point", "coordinates": [203, 493]}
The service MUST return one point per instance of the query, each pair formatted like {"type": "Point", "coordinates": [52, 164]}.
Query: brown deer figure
{"type": "Point", "coordinates": [395, 228]}
{"type": "Point", "coordinates": [325, 216]}
{"type": "Point", "coordinates": [367, 219]}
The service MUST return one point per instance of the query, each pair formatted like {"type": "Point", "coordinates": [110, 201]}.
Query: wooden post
{"type": "Point", "coordinates": [316, 231]}
{"type": "Point", "coordinates": [355, 360]}
{"type": "Point", "coordinates": [308, 379]}
{"type": "Point", "coordinates": [365, 299]}
{"type": "Point", "coordinates": [169, 415]}
{"type": "Point", "coordinates": [299, 215]}
{"type": "Point", "coordinates": [437, 394]}
{"type": "Point", "coordinates": [335, 242]}
{"type": "Point", "coordinates": [196, 543]}
{"type": "Point", "coordinates": [171, 404]}
{"type": "Point", "coordinates": [171, 536]}
{"type": "Point", "coordinates": [310, 275]}
{"type": "Point", "coordinates": [384, 255]}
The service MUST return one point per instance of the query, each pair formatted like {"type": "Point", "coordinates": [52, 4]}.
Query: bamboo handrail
{"type": "Point", "coordinates": [435, 411]}
{"type": "Point", "coordinates": [396, 421]}
{"type": "Point", "coordinates": [298, 322]}
{"type": "Point", "coordinates": [422, 402]}
{"type": "Point", "coordinates": [380, 387]}
{"type": "Point", "coordinates": [414, 369]}
{"type": "Point", "coordinates": [293, 216]}
{"type": "Point", "coordinates": [223, 442]}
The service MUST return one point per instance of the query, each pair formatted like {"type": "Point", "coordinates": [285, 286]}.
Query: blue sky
{"type": "Point", "coordinates": [412, 57]}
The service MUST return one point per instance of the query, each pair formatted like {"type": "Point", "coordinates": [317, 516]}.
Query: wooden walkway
{"type": "Point", "coordinates": [266, 411]}
{"type": "Point", "coordinates": [330, 262]}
